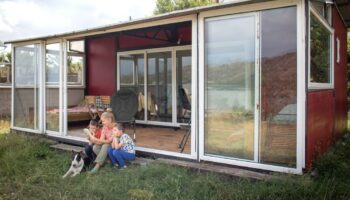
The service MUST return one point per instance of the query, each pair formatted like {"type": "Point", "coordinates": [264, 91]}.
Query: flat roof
{"type": "Point", "coordinates": [177, 13]}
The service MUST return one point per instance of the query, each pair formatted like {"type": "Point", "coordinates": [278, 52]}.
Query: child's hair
{"type": "Point", "coordinates": [119, 126]}
{"type": "Point", "coordinates": [93, 123]}
{"type": "Point", "coordinates": [108, 115]}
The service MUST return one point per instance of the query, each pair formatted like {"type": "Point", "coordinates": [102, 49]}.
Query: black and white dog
{"type": "Point", "coordinates": [77, 165]}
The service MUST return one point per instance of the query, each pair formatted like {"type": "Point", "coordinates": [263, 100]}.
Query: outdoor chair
{"type": "Point", "coordinates": [186, 105]}
{"type": "Point", "coordinates": [124, 106]}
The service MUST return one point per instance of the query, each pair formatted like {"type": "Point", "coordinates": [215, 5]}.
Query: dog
{"type": "Point", "coordinates": [77, 165]}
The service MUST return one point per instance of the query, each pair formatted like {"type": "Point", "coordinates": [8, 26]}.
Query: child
{"type": "Point", "coordinates": [93, 133]}
{"type": "Point", "coordinates": [102, 144]}
{"type": "Point", "coordinates": [123, 147]}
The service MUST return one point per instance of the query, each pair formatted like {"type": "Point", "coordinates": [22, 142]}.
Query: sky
{"type": "Point", "coordinates": [32, 18]}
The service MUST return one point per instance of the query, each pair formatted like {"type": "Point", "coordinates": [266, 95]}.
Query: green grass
{"type": "Point", "coordinates": [29, 169]}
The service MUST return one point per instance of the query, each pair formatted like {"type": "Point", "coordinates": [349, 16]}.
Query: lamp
{"type": "Point", "coordinates": [2, 45]}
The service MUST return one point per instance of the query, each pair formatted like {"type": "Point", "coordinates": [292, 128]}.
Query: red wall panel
{"type": "Point", "coordinates": [101, 66]}
{"type": "Point", "coordinates": [340, 76]}
{"type": "Point", "coordinates": [320, 123]}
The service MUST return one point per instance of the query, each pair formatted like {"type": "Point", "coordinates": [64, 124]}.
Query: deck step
{"type": "Point", "coordinates": [67, 147]}
{"type": "Point", "coordinates": [226, 170]}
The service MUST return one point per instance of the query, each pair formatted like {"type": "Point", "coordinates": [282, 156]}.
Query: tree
{"type": "Point", "coordinates": [164, 6]}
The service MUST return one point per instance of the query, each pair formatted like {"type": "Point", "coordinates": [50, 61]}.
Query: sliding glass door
{"type": "Point", "coordinates": [250, 87]}
{"type": "Point", "coordinates": [157, 76]}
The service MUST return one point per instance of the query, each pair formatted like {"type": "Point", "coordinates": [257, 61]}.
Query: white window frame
{"type": "Point", "coordinates": [322, 20]}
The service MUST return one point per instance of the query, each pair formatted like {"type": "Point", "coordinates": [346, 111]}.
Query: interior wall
{"type": "Point", "coordinates": [101, 66]}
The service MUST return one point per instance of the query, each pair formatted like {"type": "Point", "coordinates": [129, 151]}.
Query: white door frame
{"type": "Point", "coordinates": [301, 90]}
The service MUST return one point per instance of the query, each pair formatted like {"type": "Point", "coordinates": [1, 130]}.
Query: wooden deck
{"type": "Point", "coordinates": [153, 137]}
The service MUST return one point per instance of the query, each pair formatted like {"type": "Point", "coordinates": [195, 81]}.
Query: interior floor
{"type": "Point", "coordinates": [153, 137]}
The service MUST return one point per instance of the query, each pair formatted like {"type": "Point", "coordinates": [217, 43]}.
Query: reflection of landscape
{"type": "Point", "coordinates": [278, 114]}
{"type": "Point", "coordinates": [227, 138]}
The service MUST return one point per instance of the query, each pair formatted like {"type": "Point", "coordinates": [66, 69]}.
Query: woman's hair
{"type": "Point", "coordinates": [93, 123]}
{"type": "Point", "coordinates": [108, 115]}
{"type": "Point", "coordinates": [119, 126]}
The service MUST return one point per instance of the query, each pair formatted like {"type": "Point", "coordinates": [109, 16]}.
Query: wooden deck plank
{"type": "Point", "coordinates": [160, 138]}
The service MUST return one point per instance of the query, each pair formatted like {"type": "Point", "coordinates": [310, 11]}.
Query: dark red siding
{"type": "Point", "coordinates": [101, 66]}
{"type": "Point", "coordinates": [327, 110]}
{"type": "Point", "coordinates": [127, 42]}
{"type": "Point", "coordinates": [340, 76]}
{"type": "Point", "coordinates": [320, 123]}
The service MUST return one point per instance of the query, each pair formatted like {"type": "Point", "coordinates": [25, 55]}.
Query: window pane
{"type": "Point", "coordinates": [184, 68]}
{"type": "Point", "coordinates": [126, 70]}
{"type": "Point", "coordinates": [5, 69]}
{"type": "Point", "coordinates": [52, 86]}
{"type": "Point", "coordinates": [159, 88]}
{"type": "Point", "coordinates": [52, 63]}
{"type": "Point", "coordinates": [320, 52]}
{"type": "Point", "coordinates": [76, 46]}
{"type": "Point", "coordinates": [277, 140]}
{"type": "Point", "coordinates": [75, 64]}
{"type": "Point", "coordinates": [230, 86]}
{"type": "Point", "coordinates": [26, 92]}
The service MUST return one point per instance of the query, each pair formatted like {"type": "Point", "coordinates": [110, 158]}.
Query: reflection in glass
{"type": "Point", "coordinates": [132, 77]}
{"type": "Point", "coordinates": [278, 87]}
{"type": "Point", "coordinates": [52, 70]}
{"type": "Point", "coordinates": [75, 69]}
{"type": "Point", "coordinates": [126, 70]}
{"type": "Point", "coordinates": [159, 82]}
{"type": "Point", "coordinates": [229, 86]}
{"type": "Point", "coordinates": [183, 81]}
{"type": "Point", "coordinates": [26, 91]}
{"type": "Point", "coordinates": [320, 52]}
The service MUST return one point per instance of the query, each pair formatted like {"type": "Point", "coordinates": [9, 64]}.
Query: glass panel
{"type": "Point", "coordinates": [320, 52]}
{"type": "Point", "coordinates": [26, 91]}
{"type": "Point", "coordinates": [52, 70]}
{"type": "Point", "coordinates": [126, 70]}
{"type": "Point", "coordinates": [159, 88]}
{"type": "Point", "coordinates": [129, 66]}
{"type": "Point", "coordinates": [5, 69]}
{"type": "Point", "coordinates": [76, 46]}
{"type": "Point", "coordinates": [78, 112]}
{"type": "Point", "coordinates": [278, 86]}
{"type": "Point", "coordinates": [75, 71]}
{"type": "Point", "coordinates": [229, 86]}
{"type": "Point", "coordinates": [183, 81]}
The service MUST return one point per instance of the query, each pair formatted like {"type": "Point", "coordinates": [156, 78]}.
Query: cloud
{"type": "Point", "coordinates": [32, 18]}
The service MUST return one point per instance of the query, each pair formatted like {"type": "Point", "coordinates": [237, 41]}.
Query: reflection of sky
{"type": "Point", "coordinates": [278, 31]}
{"type": "Point", "coordinates": [230, 40]}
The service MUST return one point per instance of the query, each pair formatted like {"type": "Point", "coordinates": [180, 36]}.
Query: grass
{"type": "Point", "coordinates": [29, 169]}
{"type": "Point", "coordinates": [5, 125]}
